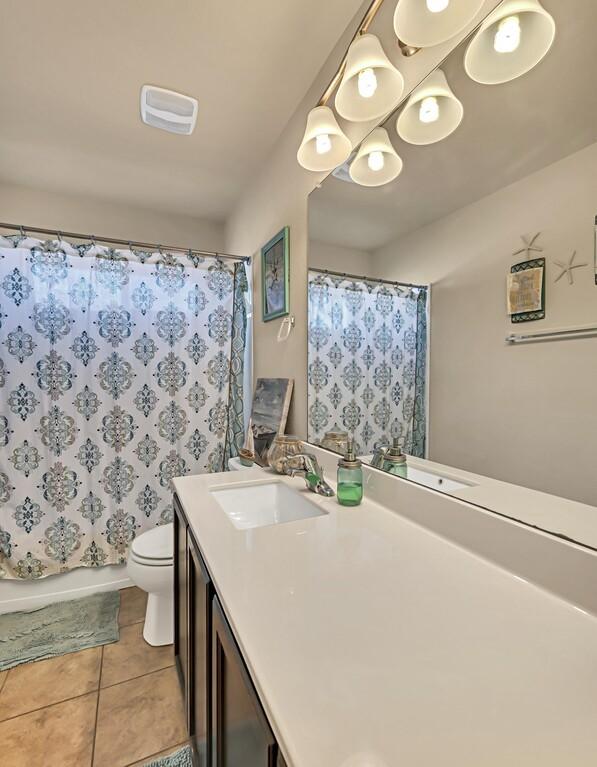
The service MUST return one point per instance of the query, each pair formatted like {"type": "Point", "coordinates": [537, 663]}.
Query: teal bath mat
{"type": "Point", "coordinates": [182, 758]}
{"type": "Point", "coordinates": [58, 629]}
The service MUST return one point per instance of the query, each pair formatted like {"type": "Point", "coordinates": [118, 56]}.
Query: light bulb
{"type": "Point", "coordinates": [375, 161]}
{"type": "Point", "coordinates": [429, 110]}
{"type": "Point", "coordinates": [437, 6]}
{"type": "Point", "coordinates": [507, 37]}
{"type": "Point", "coordinates": [323, 143]}
{"type": "Point", "coordinates": [367, 83]}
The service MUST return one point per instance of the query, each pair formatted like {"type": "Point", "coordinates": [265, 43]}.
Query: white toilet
{"type": "Point", "coordinates": [150, 566]}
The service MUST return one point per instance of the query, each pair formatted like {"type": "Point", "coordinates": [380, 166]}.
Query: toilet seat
{"type": "Point", "coordinates": [152, 562]}
{"type": "Point", "coordinates": [154, 548]}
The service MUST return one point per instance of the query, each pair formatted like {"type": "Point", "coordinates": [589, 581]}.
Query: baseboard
{"type": "Point", "coordinates": [29, 595]}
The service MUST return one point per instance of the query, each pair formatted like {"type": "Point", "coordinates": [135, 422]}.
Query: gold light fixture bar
{"type": "Point", "coordinates": [363, 27]}
{"type": "Point", "coordinates": [366, 21]}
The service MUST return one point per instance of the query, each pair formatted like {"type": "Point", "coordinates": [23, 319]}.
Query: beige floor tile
{"type": "Point", "coordinates": [161, 754]}
{"type": "Point", "coordinates": [131, 656]}
{"type": "Point", "coordinates": [138, 718]}
{"type": "Point", "coordinates": [44, 682]}
{"type": "Point", "coordinates": [133, 602]}
{"type": "Point", "coordinates": [61, 734]}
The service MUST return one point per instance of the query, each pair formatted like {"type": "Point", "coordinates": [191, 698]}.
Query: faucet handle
{"type": "Point", "coordinates": [379, 453]}
{"type": "Point", "coordinates": [307, 466]}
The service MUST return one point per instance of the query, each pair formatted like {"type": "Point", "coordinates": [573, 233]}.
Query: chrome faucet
{"type": "Point", "coordinates": [305, 465]}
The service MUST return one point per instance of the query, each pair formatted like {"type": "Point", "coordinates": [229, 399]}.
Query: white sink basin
{"type": "Point", "coordinates": [257, 504]}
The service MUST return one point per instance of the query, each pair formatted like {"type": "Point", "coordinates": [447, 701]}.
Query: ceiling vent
{"type": "Point", "coordinates": [168, 110]}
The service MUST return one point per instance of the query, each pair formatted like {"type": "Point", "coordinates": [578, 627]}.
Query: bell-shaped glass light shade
{"type": "Point", "coordinates": [424, 23]}
{"type": "Point", "coordinates": [432, 112]}
{"type": "Point", "coordinates": [371, 86]}
{"type": "Point", "coordinates": [510, 42]}
{"type": "Point", "coordinates": [324, 145]}
{"type": "Point", "coordinates": [376, 162]}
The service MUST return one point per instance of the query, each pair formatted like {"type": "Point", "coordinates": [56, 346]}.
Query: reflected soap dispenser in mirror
{"type": "Point", "coordinates": [390, 459]}
{"type": "Point", "coordinates": [350, 478]}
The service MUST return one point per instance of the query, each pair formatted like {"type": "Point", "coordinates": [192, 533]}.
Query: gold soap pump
{"type": "Point", "coordinates": [390, 459]}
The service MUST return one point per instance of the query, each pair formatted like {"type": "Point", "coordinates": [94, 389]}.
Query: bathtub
{"type": "Point", "coordinates": [28, 595]}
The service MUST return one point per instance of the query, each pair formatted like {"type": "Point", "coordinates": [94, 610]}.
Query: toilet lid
{"type": "Point", "coordinates": [157, 543]}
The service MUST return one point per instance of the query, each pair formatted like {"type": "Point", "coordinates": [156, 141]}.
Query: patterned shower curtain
{"type": "Point", "coordinates": [119, 370]}
{"type": "Point", "coordinates": [367, 361]}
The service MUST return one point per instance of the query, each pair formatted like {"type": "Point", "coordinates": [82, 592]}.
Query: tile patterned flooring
{"type": "Point", "coordinates": [113, 706]}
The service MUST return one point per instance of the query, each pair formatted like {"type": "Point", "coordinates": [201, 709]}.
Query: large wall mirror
{"type": "Point", "coordinates": [453, 310]}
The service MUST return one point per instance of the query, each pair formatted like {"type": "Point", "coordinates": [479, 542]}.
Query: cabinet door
{"type": "Point", "coordinates": [181, 596]}
{"type": "Point", "coordinates": [201, 593]}
{"type": "Point", "coordinates": [242, 736]}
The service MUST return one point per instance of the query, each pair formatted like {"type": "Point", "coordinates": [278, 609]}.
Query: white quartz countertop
{"type": "Point", "coordinates": [374, 642]}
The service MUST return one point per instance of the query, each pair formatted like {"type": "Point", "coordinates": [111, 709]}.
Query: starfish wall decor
{"type": "Point", "coordinates": [567, 268]}
{"type": "Point", "coordinates": [529, 246]}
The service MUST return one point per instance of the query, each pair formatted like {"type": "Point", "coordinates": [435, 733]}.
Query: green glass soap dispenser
{"type": "Point", "coordinates": [350, 478]}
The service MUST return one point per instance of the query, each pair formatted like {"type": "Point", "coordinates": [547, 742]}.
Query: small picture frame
{"type": "Point", "coordinates": [526, 291]}
{"type": "Point", "coordinates": [271, 403]}
{"type": "Point", "coordinates": [275, 276]}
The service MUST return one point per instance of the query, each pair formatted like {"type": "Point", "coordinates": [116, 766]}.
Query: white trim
{"type": "Point", "coordinates": [82, 582]}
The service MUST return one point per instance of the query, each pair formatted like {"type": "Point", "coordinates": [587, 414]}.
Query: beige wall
{"type": "Point", "coordinates": [49, 210]}
{"type": "Point", "coordinates": [323, 255]}
{"type": "Point", "coordinates": [278, 197]}
{"type": "Point", "coordinates": [525, 414]}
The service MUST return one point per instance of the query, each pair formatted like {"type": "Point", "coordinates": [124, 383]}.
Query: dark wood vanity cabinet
{"type": "Point", "coordinates": [193, 592]}
{"type": "Point", "coordinates": [225, 719]}
{"type": "Point", "coordinates": [242, 735]}
{"type": "Point", "coordinates": [181, 606]}
{"type": "Point", "coordinates": [200, 635]}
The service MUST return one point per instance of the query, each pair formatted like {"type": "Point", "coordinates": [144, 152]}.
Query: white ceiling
{"type": "Point", "coordinates": [508, 132]}
{"type": "Point", "coordinates": [71, 72]}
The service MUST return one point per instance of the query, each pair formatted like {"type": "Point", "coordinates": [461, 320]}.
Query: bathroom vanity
{"type": "Point", "coordinates": [224, 716]}
{"type": "Point", "coordinates": [413, 629]}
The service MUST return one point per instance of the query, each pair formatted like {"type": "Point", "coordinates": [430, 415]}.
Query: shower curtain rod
{"type": "Point", "coordinates": [366, 279]}
{"type": "Point", "coordinates": [114, 241]}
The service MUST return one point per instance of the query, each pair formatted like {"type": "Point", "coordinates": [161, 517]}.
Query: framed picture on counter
{"type": "Point", "coordinates": [275, 276]}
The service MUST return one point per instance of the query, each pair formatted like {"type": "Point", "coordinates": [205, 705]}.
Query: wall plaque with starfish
{"type": "Point", "coordinates": [526, 291]}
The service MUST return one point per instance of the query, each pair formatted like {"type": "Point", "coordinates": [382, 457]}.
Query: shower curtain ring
{"type": "Point", "coordinates": [23, 233]}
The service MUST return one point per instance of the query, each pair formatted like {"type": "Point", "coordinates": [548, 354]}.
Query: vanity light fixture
{"type": "Point", "coordinates": [432, 112]}
{"type": "Point", "coordinates": [423, 24]}
{"type": "Point", "coordinates": [376, 162]}
{"type": "Point", "coordinates": [510, 42]}
{"type": "Point", "coordinates": [371, 85]}
{"type": "Point", "coordinates": [324, 145]}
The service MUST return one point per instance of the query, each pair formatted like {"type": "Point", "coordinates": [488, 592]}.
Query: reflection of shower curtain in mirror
{"type": "Point", "coordinates": [119, 370]}
{"type": "Point", "coordinates": [367, 361]}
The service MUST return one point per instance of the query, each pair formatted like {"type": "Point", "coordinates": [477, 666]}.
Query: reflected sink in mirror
{"type": "Point", "coordinates": [429, 479]}
{"type": "Point", "coordinates": [434, 481]}
{"type": "Point", "coordinates": [259, 504]}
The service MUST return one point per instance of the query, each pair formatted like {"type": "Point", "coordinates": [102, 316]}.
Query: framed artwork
{"type": "Point", "coordinates": [274, 276]}
{"type": "Point", "coordinates": [269, 413]}
{"type": "Point", "coordinates": [526, 291]}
